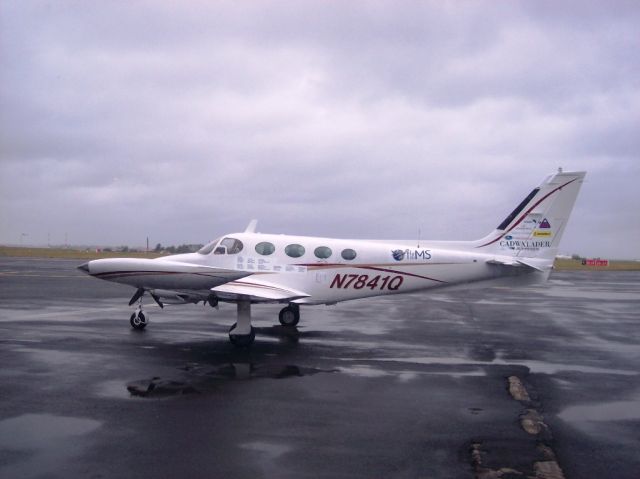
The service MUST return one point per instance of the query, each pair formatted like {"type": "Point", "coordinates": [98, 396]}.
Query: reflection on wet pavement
{"type": "Point", "coordinates": [602, 411]}
{"type": "Point", "coordinates": [36, 444]}
{"type": "Point", "coordinates": [202, 379]}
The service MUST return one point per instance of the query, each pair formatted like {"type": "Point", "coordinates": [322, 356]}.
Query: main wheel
{"type": "Point", "coordinates": [242, 340]}
{"type": "Point", "coordinates": [289, 316]}
{"type": "Point", "coordinates": [138, 321]}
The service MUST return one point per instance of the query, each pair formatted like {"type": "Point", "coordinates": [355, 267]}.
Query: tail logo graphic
{"type": "Point", "coordinates": [544, 229]}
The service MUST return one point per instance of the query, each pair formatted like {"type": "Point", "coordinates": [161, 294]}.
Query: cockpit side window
{"type": "Point", "coordinates": [229, 246]}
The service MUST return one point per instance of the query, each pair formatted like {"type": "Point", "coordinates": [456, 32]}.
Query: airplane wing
{"type": "Point", "coordinates": [257, 290]}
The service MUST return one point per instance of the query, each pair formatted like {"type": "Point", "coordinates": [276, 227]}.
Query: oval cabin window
{"type": "Point", "coordinates": [265, 248]}
{"type": "Point", "coordinates": [294, 250]}
{"type": "Point", "coordinates": [322, 252]}
{"type": "Point", "coordinates": [349, 254]}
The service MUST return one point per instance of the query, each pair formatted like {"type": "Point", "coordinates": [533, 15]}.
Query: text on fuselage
{"type": "Point", "coordinates": [361, 281]}
{"type": "Point", "coordinates": [411, 254]}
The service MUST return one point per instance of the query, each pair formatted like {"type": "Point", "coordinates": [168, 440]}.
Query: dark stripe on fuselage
{"type": "Point", "coordinates": [123, 274]}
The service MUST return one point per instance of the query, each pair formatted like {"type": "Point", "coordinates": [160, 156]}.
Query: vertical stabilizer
{"type": "Point", "coordinates": [535, 227]}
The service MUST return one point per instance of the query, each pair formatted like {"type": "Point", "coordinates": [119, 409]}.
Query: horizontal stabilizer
{"type": "Point", "coordinates": [257, 290]}
{"type": "Point", "coordinates": [516, 263]}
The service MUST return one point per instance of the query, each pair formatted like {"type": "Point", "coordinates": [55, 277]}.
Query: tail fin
{"type": "Point", "coordinates": [535, 227]}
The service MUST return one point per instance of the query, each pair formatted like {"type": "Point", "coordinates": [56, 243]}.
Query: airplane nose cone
{"type": "Point", "coordinates": [84, 267]}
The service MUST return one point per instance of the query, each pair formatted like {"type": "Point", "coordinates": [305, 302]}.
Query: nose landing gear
{"type": "Point", "coordinates": [138, 319]}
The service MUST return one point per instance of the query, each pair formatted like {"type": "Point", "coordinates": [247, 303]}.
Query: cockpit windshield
{"type": "Point", "coordinates": [208, 248]}
{"type": "Point", "coordinates": [229, 246]}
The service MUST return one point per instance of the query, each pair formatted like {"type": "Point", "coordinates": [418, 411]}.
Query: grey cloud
{"type": "Point", "coordinates": [121, 120]}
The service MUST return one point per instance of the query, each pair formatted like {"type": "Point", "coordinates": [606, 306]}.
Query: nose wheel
{"type": "Point", "coordinates": [138, 320]}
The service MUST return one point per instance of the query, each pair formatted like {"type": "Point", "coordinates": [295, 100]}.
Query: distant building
{"type": "Point", "coordinates": [595, 262]}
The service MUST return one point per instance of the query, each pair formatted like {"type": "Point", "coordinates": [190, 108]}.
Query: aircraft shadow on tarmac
{"type": "Point", "coordinates": [207, 368]}
{"type": "Point", "coordinates": [203, 379]}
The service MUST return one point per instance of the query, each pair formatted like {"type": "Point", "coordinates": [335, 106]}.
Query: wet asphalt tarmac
{"type": "Point", "coordinates": [414, 386]}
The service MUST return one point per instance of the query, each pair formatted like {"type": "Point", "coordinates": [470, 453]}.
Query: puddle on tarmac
{"type": "Point", "coordinates": [533, 365]}
{"type": "Point", "coordinates": [53, 357]}
{"type": "Point", "coordinates": [612, 420]}
{"type": "Point", "coordinates": [367, 371]}
{"type": "Point", "coordinates": [113, 389]}
{"type": "Point", "coordinates": [40, 443]}
{"type": "Point", "coordinates": [554, 368]}
{"type": "Point", "coordinates": [36, 431]}
{"type": "Point", "coordinates": [592, 295]}
{"type": "Point", "coordinates": [606, 411]}
{"type": "Point", "coordinates": [269, 449]}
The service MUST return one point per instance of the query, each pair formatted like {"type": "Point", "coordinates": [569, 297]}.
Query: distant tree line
{"type": "Point", "coordinates": [183, 248]}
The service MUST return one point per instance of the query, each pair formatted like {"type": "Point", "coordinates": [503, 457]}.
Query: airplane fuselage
{"type": "Point", "coordinates": [348, 269]}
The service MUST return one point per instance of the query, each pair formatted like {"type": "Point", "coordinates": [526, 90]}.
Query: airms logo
{"type": "Point", "coordinates": [399, 254]}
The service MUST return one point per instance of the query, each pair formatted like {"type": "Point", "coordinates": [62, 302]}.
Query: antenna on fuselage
{"type": "Point", "coordinates": [251, 227]}
{"type": "Point", "coordinates": [419, 233]}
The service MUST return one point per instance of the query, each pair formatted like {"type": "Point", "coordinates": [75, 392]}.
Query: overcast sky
{"type": "Point", "coordinates": [181, 121]}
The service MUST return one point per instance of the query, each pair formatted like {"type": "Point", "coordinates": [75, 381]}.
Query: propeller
{"type": "Point", "coordinates": [212, 300]}
{"type": "Point", "coordinates": [156, 298]}
{"type": "Point", "coordinates": [138, 294]}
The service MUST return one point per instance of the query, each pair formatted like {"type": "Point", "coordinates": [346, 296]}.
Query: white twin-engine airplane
{"type": "Point", "coordinates": [250, 267]}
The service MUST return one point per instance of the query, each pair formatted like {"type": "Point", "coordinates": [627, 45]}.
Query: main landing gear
{"type": "Point", "coordinates": [242, 334]}
{"type": "Point", "coordinates": [290, 315]}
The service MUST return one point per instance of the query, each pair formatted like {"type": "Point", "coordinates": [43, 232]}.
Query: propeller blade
{"type": "Point", "coordinates": [157, 300]}
{"type": "Point", "coordinates": [212, 300]}
{"type": "Point", "coordinates": [136, 296]}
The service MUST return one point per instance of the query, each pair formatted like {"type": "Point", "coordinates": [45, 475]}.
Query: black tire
{"type": "Point", "coordinates": [289, 316]}
{"type": "Point", "coordinates": [242, 340]}
{"type": "Point", "coordinates": [138, 321]}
